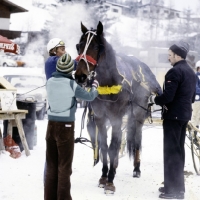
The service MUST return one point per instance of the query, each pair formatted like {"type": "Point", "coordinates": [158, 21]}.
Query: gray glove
{"type": "Point", "coordinates": [95, 84]}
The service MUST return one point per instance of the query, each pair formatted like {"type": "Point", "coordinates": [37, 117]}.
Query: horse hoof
{"type": "Point", "coordinates": [102, 182]}
{"type": "Point", "coordinates": [109, 188]}
{"type": "Point", "coordinates": [136, 174]}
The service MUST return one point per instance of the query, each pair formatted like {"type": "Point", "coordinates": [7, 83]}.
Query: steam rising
{"type": "Point", "coordinates": [67, 24]}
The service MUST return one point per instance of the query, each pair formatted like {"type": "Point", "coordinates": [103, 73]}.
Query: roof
{"type": "Point", "coordinates": [13, 7]}
{"type": "Point", "coordinates": [10, 34]}
{"type": "Point", "coordinates": [5, 85]}
{"type": "Point", "coordinates": [117, 4]}
{"type": "Point", "coordinates": [149, 4]}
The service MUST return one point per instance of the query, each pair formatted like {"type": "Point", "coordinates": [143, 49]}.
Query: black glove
{"type": "Point", "coordinates": [151, 99]}
{"type": "Point", "coordinates": [95, 84]}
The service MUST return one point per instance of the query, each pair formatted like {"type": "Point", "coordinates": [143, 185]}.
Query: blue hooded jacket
{"type": "Point", "coordinates": [50, 66]}
{"type": "Point", "coordinates": [62, 101]}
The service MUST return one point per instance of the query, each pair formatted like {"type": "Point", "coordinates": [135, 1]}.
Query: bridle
{"type": "Point", "coordinates": [88, 59]}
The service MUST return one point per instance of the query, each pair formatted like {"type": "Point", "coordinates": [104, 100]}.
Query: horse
{"type": "Point", "coordinates": [125, 83]}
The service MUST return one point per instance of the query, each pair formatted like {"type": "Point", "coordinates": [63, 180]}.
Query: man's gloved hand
{"type": "Point", "coordinates": [151, 99]}
{"type": "Point", "coordinates": [95, 83]}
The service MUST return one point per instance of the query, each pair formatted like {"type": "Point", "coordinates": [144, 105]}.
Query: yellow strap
{"type": "Point", "coordinates": [115, 89]}
{"type": "Point", "coordinates": [96, 152]}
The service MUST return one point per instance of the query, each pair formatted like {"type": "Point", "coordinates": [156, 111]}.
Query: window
{"type": "Point", "coordinates": [163, 58]}
{"type": "Point", "coordinates": [115, 10]}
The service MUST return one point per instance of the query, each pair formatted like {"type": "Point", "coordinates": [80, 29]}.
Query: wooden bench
{"type": "Point", "coordinates": [14, 118]}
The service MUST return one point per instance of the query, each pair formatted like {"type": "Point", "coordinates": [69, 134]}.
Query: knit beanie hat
{"type": "Point", "coordinates": [65, 64]}
{"type": "Point", "coordinates": [180, 48]}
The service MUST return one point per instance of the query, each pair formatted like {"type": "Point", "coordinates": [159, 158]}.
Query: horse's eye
{"type": "Point", "coordinates": [96, 47]}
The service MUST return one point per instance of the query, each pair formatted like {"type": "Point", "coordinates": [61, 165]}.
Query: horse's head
{"type": "Point", "coordinates": [89, 49]}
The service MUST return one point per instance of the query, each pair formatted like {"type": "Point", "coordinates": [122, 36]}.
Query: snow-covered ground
{"type": "Point", "coordinates": [22, 178]}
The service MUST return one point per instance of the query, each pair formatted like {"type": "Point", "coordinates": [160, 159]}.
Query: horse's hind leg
{"type": "Point", "coordinates": [136, 151]}
{"type": "Point", "coordinates": [134, 140]}
{"type": "Point", "coordinates": [136, 171]}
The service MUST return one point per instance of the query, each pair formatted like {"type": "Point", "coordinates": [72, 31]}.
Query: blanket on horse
{"type": "Point", "coordinates": [131, 68]}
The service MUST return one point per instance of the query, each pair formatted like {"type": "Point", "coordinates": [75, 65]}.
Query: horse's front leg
{"type": "Point", "coordinates": [101, 124]}
{"type": "Point", "coordinates": [113, 155]}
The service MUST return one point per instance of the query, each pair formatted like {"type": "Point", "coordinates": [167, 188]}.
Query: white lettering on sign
{"type": "Point", "coordinates": [8, 100]}
{"type": "Point", "coordinates": [7, 46]}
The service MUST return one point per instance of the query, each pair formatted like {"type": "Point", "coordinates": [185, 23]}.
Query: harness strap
{"type": "Point", "coordinates": [88, 58]}
{"type": "Point", "coordinates": [81, 139]}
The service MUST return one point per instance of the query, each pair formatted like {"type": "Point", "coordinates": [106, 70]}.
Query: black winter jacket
{"type": "Point", "coordinates": [178, 92]}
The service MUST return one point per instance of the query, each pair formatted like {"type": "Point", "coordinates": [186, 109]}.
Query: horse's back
{"type": "Point", "coordinates": [132, 68]}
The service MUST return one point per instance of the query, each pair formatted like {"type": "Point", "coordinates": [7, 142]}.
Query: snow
{"type": "Point", "coordinates": [22, 178]}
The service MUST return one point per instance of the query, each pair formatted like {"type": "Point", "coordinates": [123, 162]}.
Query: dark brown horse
{"type": "Point", "coordinates": [125, 85]}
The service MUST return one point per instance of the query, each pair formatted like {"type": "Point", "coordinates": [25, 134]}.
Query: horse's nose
{"type": "Point", "coordinates": [81, 79]}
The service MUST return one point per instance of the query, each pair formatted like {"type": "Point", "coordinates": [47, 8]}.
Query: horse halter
{"type": "Point", "coordinates": [87, 58]}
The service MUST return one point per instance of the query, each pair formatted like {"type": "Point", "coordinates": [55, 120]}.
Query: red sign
{"type": "Point", "coordinates": [8, 46]}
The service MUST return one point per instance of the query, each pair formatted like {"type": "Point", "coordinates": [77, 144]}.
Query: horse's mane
{"type": "Point", "coordinates": [108, 51]}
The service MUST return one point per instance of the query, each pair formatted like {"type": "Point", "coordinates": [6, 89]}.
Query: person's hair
{"type": "Point", "coordinates": [52, 52]}
{"type": "Point", "coordinates": [198, 69]}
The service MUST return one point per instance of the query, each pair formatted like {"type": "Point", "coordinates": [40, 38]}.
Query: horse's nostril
{"type": "Point", "coordinates": [82, 79]}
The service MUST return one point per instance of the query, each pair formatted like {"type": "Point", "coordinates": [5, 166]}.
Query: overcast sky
{"type": "Point", "coordinates": [179, 4]}
{"type": "Point", "coordinates": [183, 4]}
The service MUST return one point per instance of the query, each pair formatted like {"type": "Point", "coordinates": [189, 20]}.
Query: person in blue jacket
{"type": "Point", "coordinates": [55, 49]}
{"type": "Point", "coordinates": [176, 101]}
{"type": "Point", "coordinates": [62, 91]}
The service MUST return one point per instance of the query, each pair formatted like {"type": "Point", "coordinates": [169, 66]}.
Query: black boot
{"type": "Point", "coordinates": [179, 195]}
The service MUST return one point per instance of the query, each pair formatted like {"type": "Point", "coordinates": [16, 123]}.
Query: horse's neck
{"type": "Point", "coordinates": [108, 73]}
{"type": "Point", "coordinates": [107, 70]}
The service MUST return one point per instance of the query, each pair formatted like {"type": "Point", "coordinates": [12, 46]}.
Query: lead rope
{"type": "Point", "coordinates": [81, 139]}
{"type": "Point", "coordinates": [15, 97]}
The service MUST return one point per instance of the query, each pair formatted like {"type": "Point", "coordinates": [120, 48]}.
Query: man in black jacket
{"type": "Point", "coordinates": [176, 101]}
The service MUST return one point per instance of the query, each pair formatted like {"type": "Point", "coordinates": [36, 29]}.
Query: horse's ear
{"type": "Point", "coordinates": [83, 28]}
{"type": "Point", "coordinates": [99, 28]}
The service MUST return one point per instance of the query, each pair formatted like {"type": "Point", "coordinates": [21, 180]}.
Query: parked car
{"type": "Point", "coordinates": [7, 62]}
{"type": "Point", "coordinates": [30, 88]}
{"type": "Point", "coordinates": [19, 60]}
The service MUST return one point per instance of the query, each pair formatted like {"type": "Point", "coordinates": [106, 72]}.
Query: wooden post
{"type": "Point", "coordinates": [21, 133]}
{"type": "Point", "coordinates": [10, 128]}
{"type": "Point", "coordinates": [14, 117]}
